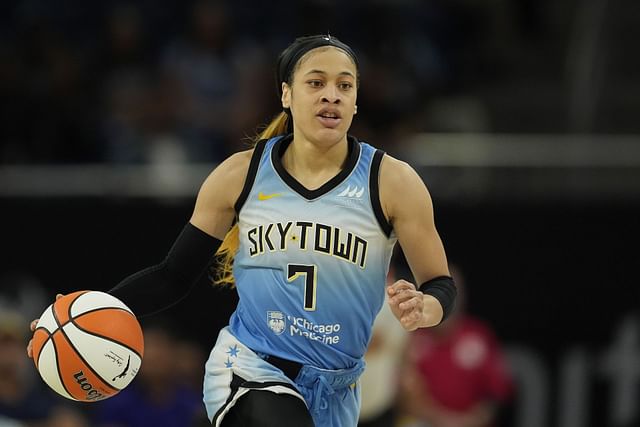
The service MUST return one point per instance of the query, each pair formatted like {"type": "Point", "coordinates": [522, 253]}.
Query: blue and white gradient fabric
{"type": "Point", "coordinates": [310, 273]}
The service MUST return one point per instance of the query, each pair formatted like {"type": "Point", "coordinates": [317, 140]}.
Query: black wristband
{"type": "Point", "coordinates": [163, 285]}
{"type": "Point", "coordinates": [444, 290]}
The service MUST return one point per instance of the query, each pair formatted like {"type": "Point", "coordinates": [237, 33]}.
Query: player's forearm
{"type": "Point", "coordinates": [432, 312]}
{"type": "Point", "coordinates": [163, 285]}
{"type": "Point", "coordinates": [439, 299]}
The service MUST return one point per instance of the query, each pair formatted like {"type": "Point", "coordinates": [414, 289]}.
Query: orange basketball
{"type": "Point", "coordinates": [88, 346]}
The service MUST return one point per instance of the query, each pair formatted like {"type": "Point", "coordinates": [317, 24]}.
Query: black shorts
{"type": "Point", "coordinates": [267, 409]}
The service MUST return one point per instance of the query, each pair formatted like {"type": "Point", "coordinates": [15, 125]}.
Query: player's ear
{"type": "Point", "coordinates": [286, 95]}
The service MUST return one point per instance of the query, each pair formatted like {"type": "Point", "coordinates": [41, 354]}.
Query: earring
{"type": "Point", "coordinates": [355, 109]}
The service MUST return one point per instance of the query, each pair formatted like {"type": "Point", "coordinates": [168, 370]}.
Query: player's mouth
{"type": "Point", "coordinates": [329, 117]}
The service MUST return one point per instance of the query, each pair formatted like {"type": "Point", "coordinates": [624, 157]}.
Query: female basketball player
{"type": "Point", "coordinates": [305, 223]}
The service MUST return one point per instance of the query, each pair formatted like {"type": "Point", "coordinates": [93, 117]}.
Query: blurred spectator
{"type": "Point", "coordinates": [131, 105]}
{"type": "Point", "coordinates": [185, 81]}
{"type": "Point", "coordinates": [189, 365]}
{"type": "Point", "coordinates": [379, 382]}
{"type": "Point", "coordinates": [455, 374]}
{"type": "Point", "coordinates": [156, 397]}
{"type": "Point", "coordinates": [19, 401]}
{"type": "Point", "coordinates": [22, 291]}
{"type": "Point", "coordinates": [45, 92]}
{"type": "Point", "coordinates": [200, 68]}
{"type": "Point", "coordinates": [24, 400]}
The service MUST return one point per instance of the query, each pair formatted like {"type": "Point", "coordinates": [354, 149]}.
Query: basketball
{"type": "Point", "coordinates": [88, 346]}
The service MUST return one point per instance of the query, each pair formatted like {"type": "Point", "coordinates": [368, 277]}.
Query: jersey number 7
{"type": "Point", "coordinates": [310, 274]}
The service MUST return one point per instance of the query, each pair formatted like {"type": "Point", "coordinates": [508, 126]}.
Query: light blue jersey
{"type": "Point", "coordinates": [311, 266]}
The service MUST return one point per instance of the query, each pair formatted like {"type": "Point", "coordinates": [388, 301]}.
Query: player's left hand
{"type": "Point", "coordinates": [411, 306]}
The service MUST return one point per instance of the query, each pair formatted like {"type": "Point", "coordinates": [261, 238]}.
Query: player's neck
{"type": "Point", "coordinates": [313, 164]}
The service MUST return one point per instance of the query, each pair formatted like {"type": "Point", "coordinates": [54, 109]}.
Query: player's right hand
{"type": "Point", "coordinates": [33, 326]}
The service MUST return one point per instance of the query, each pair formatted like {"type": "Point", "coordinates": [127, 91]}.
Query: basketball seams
{"type": "Point", "coordinates": [100, 309]}
{"type": "Point", "coordinates": [103, 336]}
{"type": "Point", "coordinates": [55, 312]}
{"type": "Point", "coordinates": [86, 363]}
{"type": "Point", "coordinates": [92, 295]}
{"type": "Point", "coordinates": [55, 352]}
{"type": "Point", "coordinates": [49, 334]}
{"type": "Point", "coordinates": [55, 316]}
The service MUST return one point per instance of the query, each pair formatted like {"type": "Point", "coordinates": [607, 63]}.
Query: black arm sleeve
{"type": "Point", "coordinates": [444, 290]}
{"type": "Point", "coordinates": [163, 285]}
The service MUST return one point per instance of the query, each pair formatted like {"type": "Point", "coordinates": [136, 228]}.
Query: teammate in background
{"type": "Point", "coordinates": [455, 375]}
{"type": "Point", "coordinates": [305, 223]}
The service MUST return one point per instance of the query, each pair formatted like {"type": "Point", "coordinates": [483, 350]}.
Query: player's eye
{"type": "Point", "coordinates": [315, 83]}
{"type": "Point", "coordinates": [345, 85]}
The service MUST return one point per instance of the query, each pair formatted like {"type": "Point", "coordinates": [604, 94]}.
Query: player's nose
{"type": "Point", "coordinates": [331, 94]}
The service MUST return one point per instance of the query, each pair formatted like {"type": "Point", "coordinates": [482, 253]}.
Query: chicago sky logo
{"type": "Point", "coordinates": [354, 193]}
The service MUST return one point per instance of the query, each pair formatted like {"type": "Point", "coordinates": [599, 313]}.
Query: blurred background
{"type": "Point", "coordinates": [522, 116]}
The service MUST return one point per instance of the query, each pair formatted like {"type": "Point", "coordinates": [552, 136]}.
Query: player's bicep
{"type": "Point", "coordinates": [410, 210]}
{"type": "Point", "coordinates": [214, 208]}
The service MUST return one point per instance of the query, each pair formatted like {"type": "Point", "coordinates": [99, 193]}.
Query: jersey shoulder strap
{"type": "Point", "coordinates": [374, 188]}
{"type": "Point", "coordinates": [251, 175]}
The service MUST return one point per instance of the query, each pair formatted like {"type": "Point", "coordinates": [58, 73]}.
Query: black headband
{"type": "Point", "coordinates": [291, 55]}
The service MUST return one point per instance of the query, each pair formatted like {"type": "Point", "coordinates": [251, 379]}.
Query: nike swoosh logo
{"type": "Point", "coordinates": [262, 196]}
